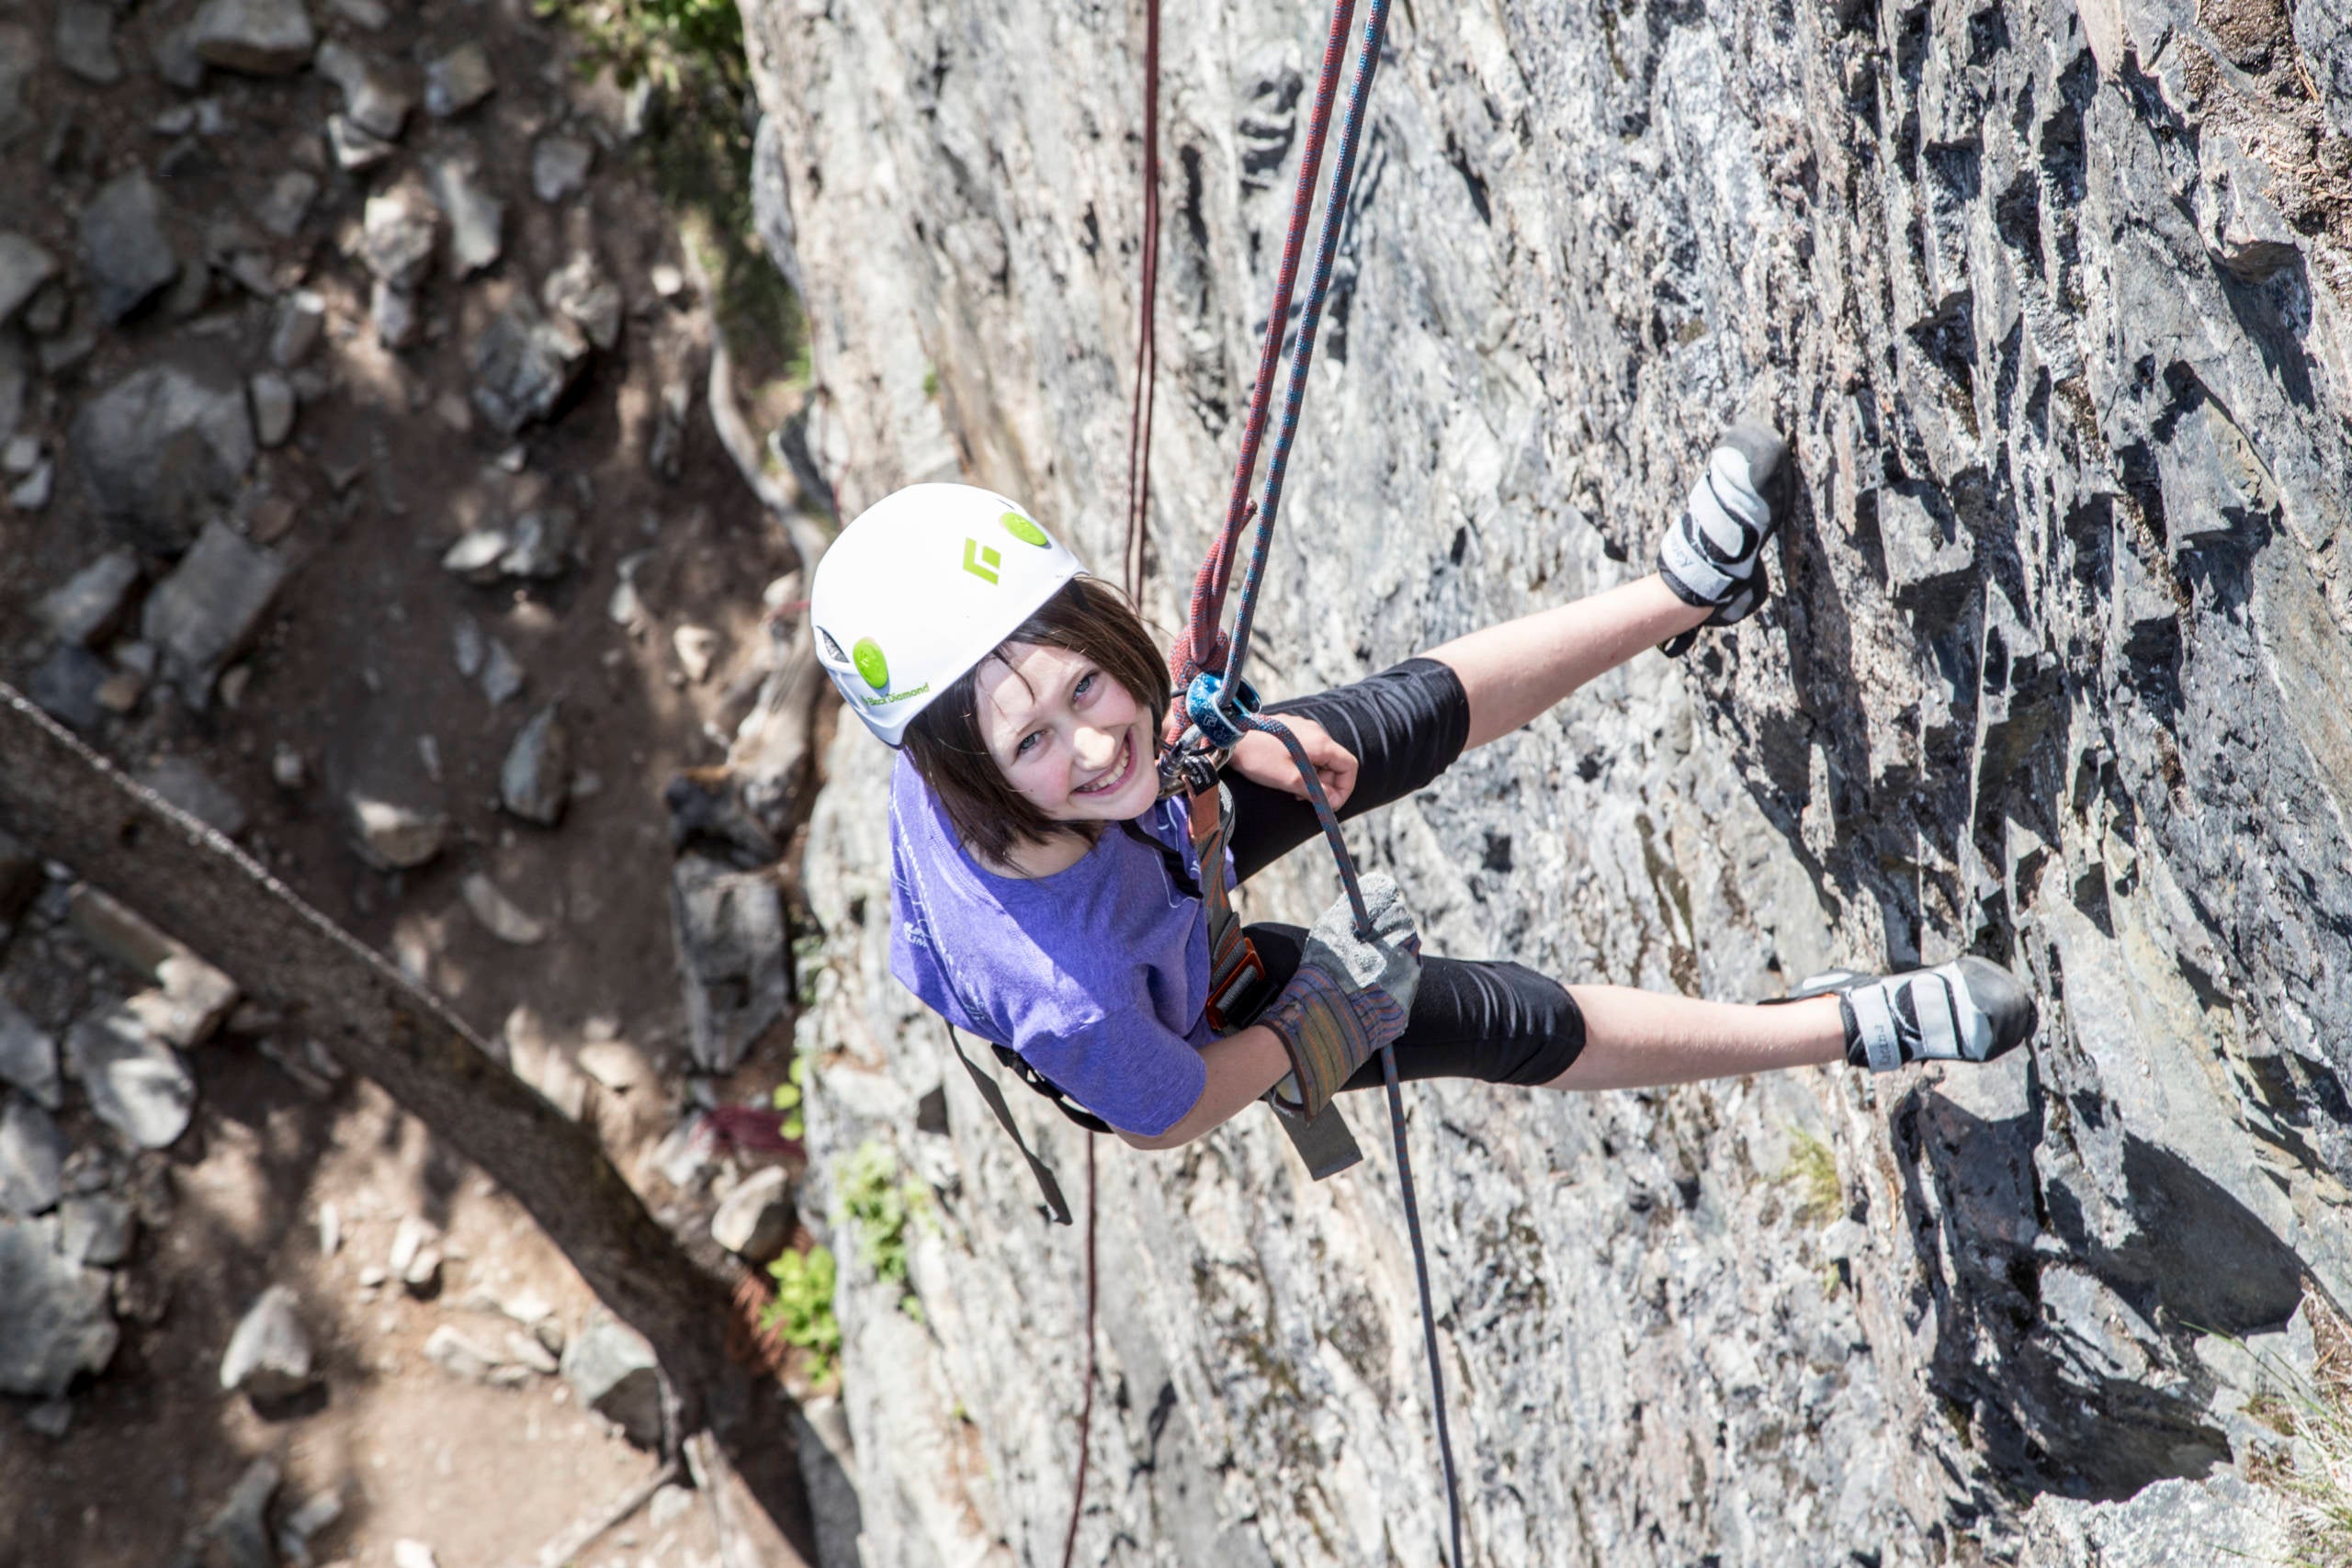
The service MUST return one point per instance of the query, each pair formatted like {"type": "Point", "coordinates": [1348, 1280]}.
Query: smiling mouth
{"type": "Point", "coordinates": [1114, 780]}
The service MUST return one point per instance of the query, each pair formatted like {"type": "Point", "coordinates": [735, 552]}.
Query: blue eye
{"type": "Point", "coordinates": [1084, 681]}
{"type": "Point", "coordinates": [1028, 742]}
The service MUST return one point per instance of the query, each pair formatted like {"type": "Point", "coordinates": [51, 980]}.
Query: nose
{"type": "Point", "coordinates": [1095, 747]}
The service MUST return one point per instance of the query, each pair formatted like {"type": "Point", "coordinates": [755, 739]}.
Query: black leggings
{"type": "Point", "coordinates": [1496, 1022]}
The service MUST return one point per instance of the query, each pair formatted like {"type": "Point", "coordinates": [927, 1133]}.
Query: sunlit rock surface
{"type": "Point", "coordinates": [2051, 305]}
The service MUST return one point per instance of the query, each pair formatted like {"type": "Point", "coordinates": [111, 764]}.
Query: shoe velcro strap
{"type": "Point", "coordinates": [1931, 1005]}
{"type": "Point", "coordinates": [1727, 535]}
{"type": "Point", "coordinates": [1874, 1024]}
{"type": "Point", "coordinates": [1683, 560]}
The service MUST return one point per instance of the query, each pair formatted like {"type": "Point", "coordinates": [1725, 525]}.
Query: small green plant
{"type": "Point", "coordinates": [881, 1206]}
{"type": "Point", "coordinates": [802, 1311]}
{"type": "Point", "coordinates": [1813, 1171]}
{"type": "Point", "coordinates": [790, 1096]}
{"type": "Point", "coordinates": [931, 381]}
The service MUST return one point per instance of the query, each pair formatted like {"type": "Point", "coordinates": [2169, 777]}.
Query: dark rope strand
{"type": "Point", "coordinates": [1086, 1406]}
{"type": "Point", "coordinates": [1421, 1278]}
{"type": "Point", "coordinates": [1131, 559]}
{"type": "Point", "coordinates": [1335, 207]}
{"type": "Point", "coordinates": [1216, 570]}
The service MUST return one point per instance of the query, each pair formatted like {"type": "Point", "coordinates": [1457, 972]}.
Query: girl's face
{"type": "Point", "coordinates": [1071, 740]}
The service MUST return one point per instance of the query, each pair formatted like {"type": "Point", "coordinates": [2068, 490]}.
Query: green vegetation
{"type": "Point", "coordinates": [1813, 1171]}
{"type": "Point", "coordinates": [881, 1206]}
{"type": "Point", "coordinates": [789, 1096]}
{"type": "Point", "coordinates": [802, 1311]}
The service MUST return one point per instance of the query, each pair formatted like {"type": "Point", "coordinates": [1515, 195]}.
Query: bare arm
{"type": "Point", "coordinates": [1513, 671]}
{"type": "Point", "coordinates": [1241, 1067]}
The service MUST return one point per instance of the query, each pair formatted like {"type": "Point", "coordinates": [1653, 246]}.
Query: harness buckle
{"type": "Point", "coordinates": [1241, 983]}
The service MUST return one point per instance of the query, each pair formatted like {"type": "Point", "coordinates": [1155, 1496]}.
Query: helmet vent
{"type": "Point", "coordinates": [832, 649]}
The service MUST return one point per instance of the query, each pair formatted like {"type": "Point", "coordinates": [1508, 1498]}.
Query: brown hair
{"type": "Point", "coordinates": [1090, 619]}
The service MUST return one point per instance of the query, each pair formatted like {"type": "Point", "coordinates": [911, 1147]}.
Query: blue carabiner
{"type": "Point", "coordinates": [1203, 705]}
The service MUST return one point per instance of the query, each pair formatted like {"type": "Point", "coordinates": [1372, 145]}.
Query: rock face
{"type": "Point", "coordinates": [2054, 673]}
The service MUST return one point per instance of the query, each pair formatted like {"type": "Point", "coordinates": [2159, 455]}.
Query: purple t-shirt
{"type": "Point", "coordinates": [1098, 975]}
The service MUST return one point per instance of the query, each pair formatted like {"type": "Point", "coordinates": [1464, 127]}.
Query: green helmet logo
{"type": "Point", "coordinates": [1028, 532]}
{"type": "Point", "coordinates": [868, 656]}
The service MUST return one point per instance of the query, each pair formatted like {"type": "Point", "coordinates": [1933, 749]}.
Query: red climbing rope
{"type": "Point", "coordinates": [1086, 1405]}
{"type": "Point", "coordinates": [1147, 326]}
{"type": "Point", "coordinates": [1199, 648]}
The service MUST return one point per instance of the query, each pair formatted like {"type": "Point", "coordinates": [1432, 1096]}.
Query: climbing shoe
{"type": "Point", "coordinates": [1713, 555]}
{"type": "Point", "coordinates": [1967, 1010]}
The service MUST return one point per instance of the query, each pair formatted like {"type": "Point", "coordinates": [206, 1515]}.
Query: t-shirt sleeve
{"type": "Point", "coordinates": [1127, 1067]}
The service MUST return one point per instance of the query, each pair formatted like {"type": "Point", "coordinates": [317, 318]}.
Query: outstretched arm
{"type": "Point", "coordinates": [1513, 671]}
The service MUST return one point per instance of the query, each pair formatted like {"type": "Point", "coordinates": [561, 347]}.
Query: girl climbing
{"type": "Point", "coordinates": [1049, 895]}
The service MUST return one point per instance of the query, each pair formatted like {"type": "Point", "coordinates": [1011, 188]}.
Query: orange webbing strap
{"type": "Point", "coordinates": [1323, 1144]}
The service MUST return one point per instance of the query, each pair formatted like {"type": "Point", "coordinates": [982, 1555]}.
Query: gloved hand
{"type": "Point", "coordinates": [1349, 997]}
{"type": "Point", "coordinates": [1713, 555]}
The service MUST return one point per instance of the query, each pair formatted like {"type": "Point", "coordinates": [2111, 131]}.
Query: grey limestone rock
{"type": "Point", "coordinates": [301, 318]}
{"type": "Point", "coordinates": [756, 1220]}
{"type": "Point", "coordinates": [285, 203]}
{"type": "Point", "coordinates": [2052, 673]}
{"type": "Point", "coordinates": [613, 1371]}
{"type": "Point", "coordinates": [85, 41]}
{"type": "Point", "coordinates": [24, 267]}
{"type": "Point", "coordinates": [458, 80]}
{"type": "Point", "coordinates": [399, 230]}
{"type": "Point", "coordinates": [476, 217]}
{"type": "Point", "coordinates": [524, 363]}
{"type": "Point", "coordinates": [393, 836]}
{"type": "Point", "coordinates": [32, 1156]}
{"type": "Point", "coordinates": [273, 406]}
{"type": "Point", "coordinates": [535, 782]}
{"type": "Point", "coordinates": [264, 38]}
{"type": "Point", "coordinates": [88, 606]}
{"type": "Point", "coordinates": [125, 251]}
{"type": "Point", "coordinates": [65, 686]}
{"type": "Point", "coordinates": [136, 1083]}
{"type": "Point", "coordinates": [269, 1357]}
{"type": "Point", "coordinates": [54, 1321]}
{"type": "Point", "coordinates": [95, 1228]}
{"type": "Point", "coordinates": [29, 1056]}
{"type": "Point", "coordinates": [237, 1535]}
{"type": "Point", "coordinates": [559, 165]}
{"type": "Point", "coordinates": [353, 146]}
{"type": "Point", "coordinates": [393, 312]}
{"type": "Point", "coordinates": [731, 934]}
{"type": "Point", "coordinates": [373, 98]}
{"type": "Point", "coordinates": [201, 616]}
{"type": "Point", "coordinates": [2323, 32]}
{"type": "Point", "coordinates": [580, 289]}
{"type": "Point", "coordinates": [161, 448]}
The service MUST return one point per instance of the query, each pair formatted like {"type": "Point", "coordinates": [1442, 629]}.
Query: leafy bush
{"type": "Point", "coordinates": [802, 1311]}
{"type": "Point", "coordinates": [880, 1206]}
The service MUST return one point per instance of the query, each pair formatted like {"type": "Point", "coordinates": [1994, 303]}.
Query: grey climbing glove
{"type": "Point", "coordinates": [1349, 997]}
{"type": "Point", "coordinates": [1713, 555]}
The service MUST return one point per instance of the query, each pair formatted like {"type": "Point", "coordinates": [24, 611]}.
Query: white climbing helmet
{"type": "Point", "coordinates": [919, 588]}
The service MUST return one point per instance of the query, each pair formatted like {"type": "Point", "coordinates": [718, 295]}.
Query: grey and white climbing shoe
{"type": "Point", "coordinates": [1713, 555]}
{"type": "Point", "coordinates": [1967, 1010]}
